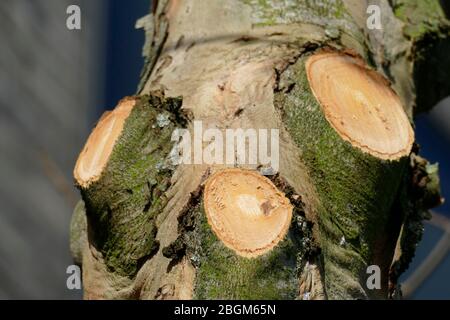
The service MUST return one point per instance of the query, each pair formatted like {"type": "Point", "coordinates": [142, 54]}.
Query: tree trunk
{"type": "Point", "coordinates": [350, 190]}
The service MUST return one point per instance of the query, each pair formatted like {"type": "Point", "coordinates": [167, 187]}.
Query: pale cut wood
{"type": "Point", "coordinates": [100, 143]}
{"type": "Point", "coordinates": [360, 105]}
{"type": "Point", "coordinates": [246, 211]}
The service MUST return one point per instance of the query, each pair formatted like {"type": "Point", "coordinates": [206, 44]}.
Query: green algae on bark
{"type": "Point", "coordinates": [124, 201]}
{"type": "Point", "coordinates": [356, 190]}
{"type": "Point", "coordinates": [222, 273]}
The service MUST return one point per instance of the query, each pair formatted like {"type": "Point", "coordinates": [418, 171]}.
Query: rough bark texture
{"type": "Point", "coordinates": [241, 64]}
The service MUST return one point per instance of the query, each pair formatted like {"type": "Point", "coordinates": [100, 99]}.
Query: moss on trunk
{"type": "Point", "coordinates": [123, 204]}
{"type": "Point", "coordinates": [223, 274]}
{"type": "Point", "coordinates": [356, 192]}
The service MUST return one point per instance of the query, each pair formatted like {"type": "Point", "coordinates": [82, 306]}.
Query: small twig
{"type": "Point", "coordinates": [57, 178]}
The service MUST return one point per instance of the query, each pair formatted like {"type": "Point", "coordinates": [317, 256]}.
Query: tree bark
{"type": "Point", "coordinates": [357, 189]}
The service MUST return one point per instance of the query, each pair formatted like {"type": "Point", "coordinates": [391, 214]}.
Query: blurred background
{"type": "Point", "coordinates": [54, 84]}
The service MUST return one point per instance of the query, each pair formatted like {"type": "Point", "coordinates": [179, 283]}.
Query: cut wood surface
{"type": "Point", "coordinates": [360, 105]}
{"type": "Point", "coordinates": [100, 143]}
{"type": "Point", "coordinates": [246, 211]}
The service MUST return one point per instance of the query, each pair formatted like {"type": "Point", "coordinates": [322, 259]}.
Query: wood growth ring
{"type": "Point", "coordinates": [246, 211]}
{"type": "Point", "coordinates": [360, 105]}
